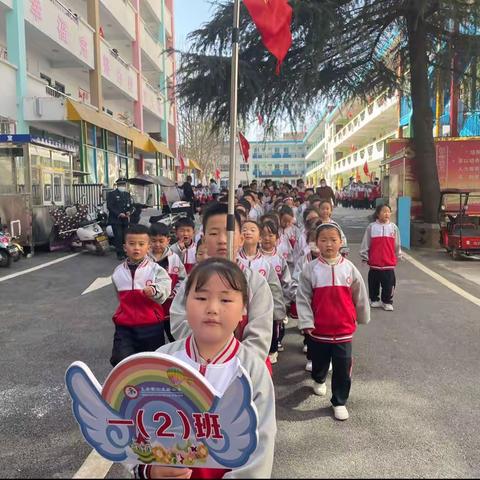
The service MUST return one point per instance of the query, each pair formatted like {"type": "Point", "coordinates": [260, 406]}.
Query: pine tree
{"type": "Point", "coordinates": [341, 49]}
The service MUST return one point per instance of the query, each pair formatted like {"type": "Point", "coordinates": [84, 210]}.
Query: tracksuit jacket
{"type": "Point", "coordinates": [171, 262]}
{"type": "Point", "coordinates": [220, 372]}
{"type": "Point", "coordinates": [188, 255]}
{"type": "Point", "coordinates": [381, 246]}
{"type": "Point", "coordinates": [135, 308]}
{"type": "Point", "coordinates": [331, 300]}
{"type": "Point", "coordinates": [280, 266]}
{"type": "Point", "coordinates": [255, 331]}
{"type": "Point", "coordinates": [261, 265]}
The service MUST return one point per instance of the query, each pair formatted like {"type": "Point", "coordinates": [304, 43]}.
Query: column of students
{"type": "Point", "coordinates": [289, 265]}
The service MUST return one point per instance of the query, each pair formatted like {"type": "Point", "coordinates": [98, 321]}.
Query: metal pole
{"type": "Point", "coordinates": [233, 131]}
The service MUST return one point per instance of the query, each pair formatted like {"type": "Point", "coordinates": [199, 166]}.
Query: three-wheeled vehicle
{"type": "Point", "coordinates": [459, 219]}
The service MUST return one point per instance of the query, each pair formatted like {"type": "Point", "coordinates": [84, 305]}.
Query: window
{"type": "Point", "coordinates": [285, 150]}
{"type": "Point", "coordinates": [57, 189]}
{"type": "Point", "coordinates": [90, 133]}
{"type": "Point", "coordinates": [100, 139]}
{"type": "Point", "coordinates": [47, 188]}
{"type": "Point", "coordinates": [277, 149]}
{"type": "Point", "coordinates": [112, 142]}
{"type": "Point", "coordinates": [122, 146]}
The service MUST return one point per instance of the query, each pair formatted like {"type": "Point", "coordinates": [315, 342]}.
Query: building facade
{"type": "Point", "coordinates": [243, 173]}
{"type": "Point", "coordinates": [280, 160]}
{"type": "Point", "coordinates": [349, 140]}
{"type": "Point", "coordinates": [89, 81]}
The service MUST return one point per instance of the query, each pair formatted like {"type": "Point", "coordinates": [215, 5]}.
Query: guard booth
{"type": "Point", "coordinates": [33, 178]}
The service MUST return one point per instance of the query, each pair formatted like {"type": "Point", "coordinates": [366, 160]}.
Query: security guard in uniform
{"type": "Point", "coordinates": [119, 204]}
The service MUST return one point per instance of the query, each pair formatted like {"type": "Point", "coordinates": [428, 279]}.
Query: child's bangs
{"type": "Point", "coordinates": [230, 274]}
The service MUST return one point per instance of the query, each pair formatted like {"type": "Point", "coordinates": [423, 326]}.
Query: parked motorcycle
{"type": "Point", "coordinates": [83, 231]}
{"type": "Point", "coordinates": [9, 249]}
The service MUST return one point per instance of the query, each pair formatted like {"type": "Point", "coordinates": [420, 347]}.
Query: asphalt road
{"type": "Point", "coordinates": [414, 401]}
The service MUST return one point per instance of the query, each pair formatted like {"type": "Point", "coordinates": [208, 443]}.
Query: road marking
{"type": "Point", "coordinates": [38, 267]}
{"type": "Point", "coordinates": [99, 283]}
{"type": "Point", "coordinates": [442, 280]}
{"type": "Point", "coordinates": [94, 466]}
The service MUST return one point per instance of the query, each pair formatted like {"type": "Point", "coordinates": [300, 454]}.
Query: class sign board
{"type": "Point", "coordinates": [155, 409]}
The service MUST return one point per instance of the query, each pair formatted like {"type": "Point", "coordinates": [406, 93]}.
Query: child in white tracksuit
{"type": "Point", "coordinates": [216, 294]}
{"type": "Point", "coordinates": [331, 299]}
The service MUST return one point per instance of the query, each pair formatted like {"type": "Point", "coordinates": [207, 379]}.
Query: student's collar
{"type": "Point", "coordinates": [226, 353]}
{"type": "Point", "coordinates": [331, 262]}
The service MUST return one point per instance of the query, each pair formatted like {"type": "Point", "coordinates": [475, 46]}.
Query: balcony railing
{"type": "Point", "coordinates": [152, 48]}
{"type": "Point", "coordinates": [119, 72]}
{"type": "Point", "coordinates": [63, 26]}
{"type": "Point", "coordinates": [380, 104]}
{"type": "Point", "coordinates": [124, 14]}
{"type": "Point", "coordinates": [370, 153]}
{"type": "Point", "coordinates": [153, 99]}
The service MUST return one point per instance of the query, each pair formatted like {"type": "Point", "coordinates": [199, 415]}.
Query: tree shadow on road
{"type": "Point", "coordinates": [287, 407]}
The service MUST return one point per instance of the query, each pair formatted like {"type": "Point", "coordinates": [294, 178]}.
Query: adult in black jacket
{"type": "Point", "coordinates": [189, 195]}
{"type": "Point", "coordinates": [119, 204]}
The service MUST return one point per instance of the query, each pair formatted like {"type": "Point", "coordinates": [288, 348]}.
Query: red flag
{"type": "Point", "coordinates": [273, 19]}
{"type": "Point", "coordinates": [244, 147]}
{"type": "Point", "coordinates": [182, 164]}
{"type": "Point", "coordinates": [365, 168]}
{"type": "Point", "coordinates": [217, 174]}
{"type": "Point", "coordinates": [357, 175]}
{"type": "Point", "coordinates": [260, 119]}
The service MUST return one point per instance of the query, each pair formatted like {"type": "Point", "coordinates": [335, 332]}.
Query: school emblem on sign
{"type": "Point", "coordinates": [278, 269]}
{"type": "Point", "coordinates": [156, 409]}
{"type": "Point", "coordinates": [262, 272]}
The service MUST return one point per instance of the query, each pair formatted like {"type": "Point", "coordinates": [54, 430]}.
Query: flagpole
{"type": "Point", "coordinates": [233, 130]}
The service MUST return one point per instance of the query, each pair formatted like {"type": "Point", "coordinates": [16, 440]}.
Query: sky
{"type": "Point", "coordinates": [189, 15]}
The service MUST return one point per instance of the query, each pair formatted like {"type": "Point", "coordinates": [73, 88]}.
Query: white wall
{"type": "Point", "coordinates": [72, 78]}
{"type": "Point", "coordinates": [8, 105]}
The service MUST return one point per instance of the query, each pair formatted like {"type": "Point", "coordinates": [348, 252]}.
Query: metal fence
{"type": "Point", "coordinates": [88, 194]}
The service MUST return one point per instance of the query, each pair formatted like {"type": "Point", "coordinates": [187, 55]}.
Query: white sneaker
{"type": "Point", "coordinates": [305, 349]}
{"type": "Point", "coordinates": [285, 321]}
{"type": "Point", "coordinates": [273, 357]}
{"type": "Point", "coordinates": [340, 412]}
{"type": "Point", "coordinates": [281, 348]}
{"type": "Point", "coordinates": [308, 366]}
{"type": "Point", "coordinates": [320, 389]}
{"type": "Point", "coordinates": [388, 307]}
{"type": "Point", "coordinates": [377, 304]}
{"type": "Point", "coordinates": [330, 368]}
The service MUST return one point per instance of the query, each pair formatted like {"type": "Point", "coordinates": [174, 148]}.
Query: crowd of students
{"type": "Point", "coordinates": [291, 264]}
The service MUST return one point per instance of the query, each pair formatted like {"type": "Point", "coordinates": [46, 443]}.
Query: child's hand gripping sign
{"type": "Point", "coordinates": [156, 409]}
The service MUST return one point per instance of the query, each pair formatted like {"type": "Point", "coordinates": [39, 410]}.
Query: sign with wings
{"type": "Point", "coordinates": [156, 409]}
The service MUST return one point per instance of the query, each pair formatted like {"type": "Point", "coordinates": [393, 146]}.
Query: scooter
{"type": "Point", "coordinates": [89, 235]}
{"type": "Point", "coordinates": [9, 250]}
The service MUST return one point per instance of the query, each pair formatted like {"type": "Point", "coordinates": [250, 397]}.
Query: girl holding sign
{"type": "Point", "coordinates": [216, 298]}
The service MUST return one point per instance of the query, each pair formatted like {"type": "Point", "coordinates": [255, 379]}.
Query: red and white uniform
{"type": "Point", "coordinates": [187, 255]}
{"type": "Point", "coordinates": [280, 267]}
{"type": "Point", "coordinates": [261, 265]}
{"type": "Point", "coordinates": [220, 371]}
{"type": "Point", "coordinates": [171, 262]}
{"type": "Point", "coordinates": [381, 246]}
{"type": "Point", "coordinates": [136, 309]}
{"type": "Point", "coordinates": [331, 299]}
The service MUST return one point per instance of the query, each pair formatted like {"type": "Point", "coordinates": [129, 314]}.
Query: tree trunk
{"type": "Point", "coordinates": [422, 116]}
